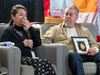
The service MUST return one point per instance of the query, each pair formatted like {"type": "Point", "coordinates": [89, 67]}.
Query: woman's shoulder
{"type": "Point", "coordinates": [7, 30]}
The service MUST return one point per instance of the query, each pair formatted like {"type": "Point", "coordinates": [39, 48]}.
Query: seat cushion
{"type": "Point", "coordinates": [54, 68]}
{"type": "Point", "coordinates": [90, 68]}
{"type": "Point", "coordinates": [3, 70]}
{"type": "Point", "coordinates": [29, 70]}
{"type": "Point", "coordinates": [26, 70]}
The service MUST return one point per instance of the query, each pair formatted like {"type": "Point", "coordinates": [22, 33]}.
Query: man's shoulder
{"type": "Point", "coordinates": [80, 26]}
{"type": "Point", "coordinates": [84, 28]}
{"type": "Point", "coordinates": [58, 25]}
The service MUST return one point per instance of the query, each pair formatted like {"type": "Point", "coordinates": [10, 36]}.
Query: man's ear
{"type": "Point", "coordinates": [76, 18]}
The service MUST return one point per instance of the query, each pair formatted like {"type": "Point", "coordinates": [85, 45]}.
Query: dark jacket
{"type": "Point", "coordinates": [8, 34]}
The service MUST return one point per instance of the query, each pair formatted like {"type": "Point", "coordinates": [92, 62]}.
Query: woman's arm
{"type": "Point", "coordinates": [35, 37]}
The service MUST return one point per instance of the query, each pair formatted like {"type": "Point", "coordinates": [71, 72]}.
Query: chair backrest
{"type": "Point", "coordinates": [44, 27]}
{"type": "Point", "coordinates": [2, 26]}
{"type": "Point", "coordinates": [91, 28]}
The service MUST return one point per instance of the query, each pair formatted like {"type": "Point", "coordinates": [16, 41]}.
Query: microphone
{"type": "Point", "coordinates": [26, 29]}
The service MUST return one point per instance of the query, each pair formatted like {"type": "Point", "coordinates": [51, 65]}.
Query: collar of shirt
{"type": "Point", "coordinates": [72, 32]}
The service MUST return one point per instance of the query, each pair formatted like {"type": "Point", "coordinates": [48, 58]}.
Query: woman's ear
{"type": "Point", "coordinates": [12, 17]}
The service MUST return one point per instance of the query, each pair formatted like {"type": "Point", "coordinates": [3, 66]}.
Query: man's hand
{"type": "Point", "coordinates": [28, 43]}
{"type": "Point", "coordinates": [92, 51]}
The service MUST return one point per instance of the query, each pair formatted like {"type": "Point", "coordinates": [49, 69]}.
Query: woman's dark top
{"type": "Point", "coordinates": [8, 34]}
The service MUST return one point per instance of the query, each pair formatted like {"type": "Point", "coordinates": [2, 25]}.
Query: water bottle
{"type": "Point", "coordinates": [7, 44]}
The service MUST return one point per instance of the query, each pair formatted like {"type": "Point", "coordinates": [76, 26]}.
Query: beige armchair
{"type": "Point", "coordinates": [62, 62]}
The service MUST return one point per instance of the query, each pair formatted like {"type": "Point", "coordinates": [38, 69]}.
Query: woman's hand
{"type": "Point", "coordinates": [92, 51]}
{"type": "Point", "coordinates": [26, 23]}
{"type": "Point", "coordinates": [28, 43]}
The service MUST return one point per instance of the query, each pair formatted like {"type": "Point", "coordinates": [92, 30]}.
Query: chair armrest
{"type": "Point", "coordinates": [57, 54]}
{"type": "Point", "coordinates": [10, 58]}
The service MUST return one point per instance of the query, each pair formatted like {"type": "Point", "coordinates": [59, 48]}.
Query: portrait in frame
{"type": "Point", "coordinates": [81, 44]}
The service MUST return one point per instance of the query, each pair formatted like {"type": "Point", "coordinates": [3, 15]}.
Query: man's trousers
{"type": "Point", "coordinates": [76, 62]}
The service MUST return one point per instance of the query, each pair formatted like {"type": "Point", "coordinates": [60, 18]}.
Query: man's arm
{"type": "Point", "coordinates": [94, 46]}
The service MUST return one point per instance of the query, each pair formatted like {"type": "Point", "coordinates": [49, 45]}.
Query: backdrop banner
{"type": "Point", "coordinates": [89, 10]}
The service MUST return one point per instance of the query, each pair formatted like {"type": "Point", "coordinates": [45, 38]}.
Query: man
{"type": "Point", "coordinates": [61, 34]}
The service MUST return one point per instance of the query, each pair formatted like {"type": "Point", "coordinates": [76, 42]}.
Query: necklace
{"type": "Point", "coordinates": [17, 33]}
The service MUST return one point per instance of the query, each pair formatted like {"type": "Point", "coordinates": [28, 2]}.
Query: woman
{"type": "Point", "coordinates": [17, 34]}
{"type": "Point", "coordinates": [82, 46]}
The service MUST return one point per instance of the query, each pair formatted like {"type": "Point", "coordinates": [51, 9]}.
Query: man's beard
{"type": "Point", "coordinates": [67, 24]}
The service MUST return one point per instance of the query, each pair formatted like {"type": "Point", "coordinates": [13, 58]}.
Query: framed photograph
{"type": "Point", "coordinates": [81, 44]}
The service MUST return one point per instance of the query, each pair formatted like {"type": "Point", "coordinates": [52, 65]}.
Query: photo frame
{"type": "Point", "coordinates": [81, 44]}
